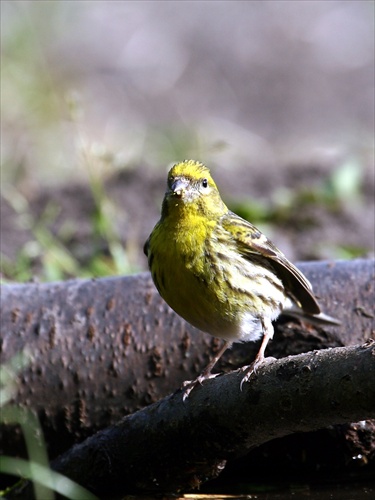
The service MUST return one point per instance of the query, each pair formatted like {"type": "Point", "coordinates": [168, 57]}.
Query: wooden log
{"type": "Point", "coordinates": [174, 445]}
{"type": "Point", "coordinates": [101, 349]}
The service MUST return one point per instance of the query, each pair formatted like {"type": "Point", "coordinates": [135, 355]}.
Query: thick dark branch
{"type": "Point", "coordinates": [172, 445]}
{"type": "Point", "coordinates": [105, 348]}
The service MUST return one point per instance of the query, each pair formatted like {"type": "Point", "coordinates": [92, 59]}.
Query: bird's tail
{"type": "Point", "coordinates": [293, 310]}
{"type": "Point", "coordinates": [316, 319]}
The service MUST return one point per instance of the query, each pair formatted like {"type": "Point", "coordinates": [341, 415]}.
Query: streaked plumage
{"type": "Point", "coordinates": [218, 271]}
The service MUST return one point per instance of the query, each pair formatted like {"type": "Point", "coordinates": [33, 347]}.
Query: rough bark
{"type": "Point", "coordinates": [172, 445]}
{"type": "Point", "coordinates": [104, 348]}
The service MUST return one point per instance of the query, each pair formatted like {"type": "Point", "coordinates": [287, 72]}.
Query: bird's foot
{"type": "Point", "coordinates": [251, 369]}
{"type": "Point", "coordinates": [189, 385]}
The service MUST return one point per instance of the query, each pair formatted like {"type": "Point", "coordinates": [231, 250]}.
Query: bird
{"type": "Point", "coordinates": [221, 273]}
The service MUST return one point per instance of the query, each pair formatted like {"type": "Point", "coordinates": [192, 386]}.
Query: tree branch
{"type": "Point", "coordinates": [172, 445]}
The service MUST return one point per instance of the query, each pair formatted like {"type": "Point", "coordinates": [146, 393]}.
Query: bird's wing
{"type": "Point", "coordinates": [146, 246]}
{"type": "Point", "coordinates": [252, 242]}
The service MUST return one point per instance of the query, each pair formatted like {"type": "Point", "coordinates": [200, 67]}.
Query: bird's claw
{"type": "Point", "coordinates": [249, 371]}
{"type": "Point", "coordinates": [252, 369]}
{"type": "Point", "coordinates": [189, 385]}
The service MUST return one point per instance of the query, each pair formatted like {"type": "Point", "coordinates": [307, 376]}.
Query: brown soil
{"type": "Point", "coordinates": [311, 230]}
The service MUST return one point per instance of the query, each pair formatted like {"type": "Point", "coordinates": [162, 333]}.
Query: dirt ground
{"type": "Point", "coordinates": [310, 228]}
{"type": "Point", "coordinates": [278, 98]}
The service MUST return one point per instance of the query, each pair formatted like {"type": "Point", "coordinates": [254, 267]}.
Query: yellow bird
{"type": "Point", "coordinates": [218, 271]}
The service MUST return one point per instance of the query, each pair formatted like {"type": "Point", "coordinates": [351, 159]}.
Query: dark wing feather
{"type": "Point", "coordinates": [251, 242]}
{"type": "Point", "coordinates": [146, 246]}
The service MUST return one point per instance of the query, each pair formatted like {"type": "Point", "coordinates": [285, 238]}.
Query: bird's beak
{"type": "Point", "coordinates": [178, 187]}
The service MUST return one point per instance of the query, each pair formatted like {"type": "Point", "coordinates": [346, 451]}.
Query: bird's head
{"type": "Point", "coordinates": [191, 190]}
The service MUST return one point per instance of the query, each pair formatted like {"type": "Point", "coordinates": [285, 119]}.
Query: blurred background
{"type": "Point", "coordinates": [99, 98]}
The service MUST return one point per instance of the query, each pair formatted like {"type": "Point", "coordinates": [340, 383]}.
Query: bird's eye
{"type": "Point", "coordinates": [205, 183]}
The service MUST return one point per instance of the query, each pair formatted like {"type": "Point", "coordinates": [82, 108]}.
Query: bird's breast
{"type": "Point", "coordinates": [205, 280]}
